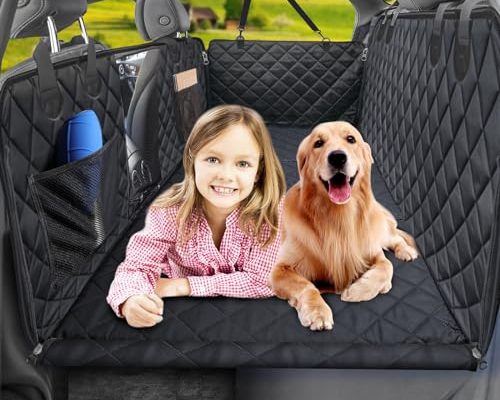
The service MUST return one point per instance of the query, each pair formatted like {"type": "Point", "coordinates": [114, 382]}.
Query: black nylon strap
{"type": "Point", "coordinates": [390, 28]}
{"type": "Point", "coordinates": [48, 89]}
{"type": "Point", "coordinates": [293, 3]}
{"type": "Point", "coordinates": [436, 32]}
{"type": "Point", "coordinates": [92, 78]}
{"type": "Point", "coordinates": [244, 15]}
{"type": "Point", "coordinates": [304, 16]}
{"type": "Point", "coordinates": [463, 40]}
{"type": "Point", "coordinates": [371, 30]}
{"type": "Point", "coordinates": [383, 25]}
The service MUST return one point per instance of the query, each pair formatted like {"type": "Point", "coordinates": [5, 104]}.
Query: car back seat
{"type": "Point", "coordinates": [429, 318]}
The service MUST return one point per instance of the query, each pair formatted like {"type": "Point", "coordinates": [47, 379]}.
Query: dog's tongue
{"type": "Point", "coordinates": [339, 189]}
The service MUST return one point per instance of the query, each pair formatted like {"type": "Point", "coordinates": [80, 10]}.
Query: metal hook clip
{"type": "Point", "coordinates": [323, 38]}
{"type": "Point", "coordinates": [240, 36]}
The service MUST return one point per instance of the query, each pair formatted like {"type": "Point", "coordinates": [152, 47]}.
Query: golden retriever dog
{"type": "Point", "coordinates": [334, 231]}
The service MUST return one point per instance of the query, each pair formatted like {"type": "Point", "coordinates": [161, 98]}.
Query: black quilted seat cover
{"type": "Point", "coordinates": [408, 327]}
{"type": "Point", "coordinates": [159, 116]}
{"type": "Point", "coordinates": [289, 83]}
{"type": "Point", "coordinates": [436, 141]}
{"type": "Point", "coordinates": [175, 56]}
{"type": "Point", "coordinates": [28, 138]}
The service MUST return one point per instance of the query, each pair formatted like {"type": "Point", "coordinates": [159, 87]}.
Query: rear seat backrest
{"type": "Point", "coordinates": [59, 239]}
{"type": "Point", "coordinates": [435, 139]}
{"type": "Point", "coordinates": [159, 119]}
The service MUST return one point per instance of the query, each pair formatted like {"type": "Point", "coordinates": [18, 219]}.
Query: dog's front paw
{"type": "Point", "coordinates": [316, 318]}
{"type": "Point", "coordinates": [366, 288]}
{"type": "Point", "coordinates": [315, 314]}
{"type": "Point", "coordinates": [405, 252]}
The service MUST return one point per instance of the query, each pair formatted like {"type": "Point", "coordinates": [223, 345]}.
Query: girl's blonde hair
{"type": "Point", "coordinates": [260, 208]}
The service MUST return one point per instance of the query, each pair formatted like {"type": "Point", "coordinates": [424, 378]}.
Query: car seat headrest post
{"type": "Point", "coordinates": [83, 30]}
{"type": "Point", "coordinates": [54, 40]}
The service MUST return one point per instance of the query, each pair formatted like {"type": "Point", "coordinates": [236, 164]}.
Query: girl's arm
{"type": "Point", "coordinates": [173, 287]}
{"type": "Point", "coordinates": [250, 282]}
{"type": "Point", "coordinates": [145, 258]}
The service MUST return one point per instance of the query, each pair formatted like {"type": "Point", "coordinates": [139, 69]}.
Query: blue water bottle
{"type": "Point", "coordinates": [81, 136]}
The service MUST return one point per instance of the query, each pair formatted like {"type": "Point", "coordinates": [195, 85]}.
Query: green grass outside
{"type": "Point", "coordinates": [112, 22]}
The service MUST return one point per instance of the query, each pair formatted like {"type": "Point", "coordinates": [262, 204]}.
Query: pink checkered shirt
{"type": "Point", "coordinates": [239, 269]}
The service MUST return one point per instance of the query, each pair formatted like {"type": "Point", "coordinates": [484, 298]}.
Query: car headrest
{"type": "Point", "coordinates": [31, 16]}
{"type": "Point", "coordinates": [420, 4]}
{"type": "Point", "coordinates": [158, 18]}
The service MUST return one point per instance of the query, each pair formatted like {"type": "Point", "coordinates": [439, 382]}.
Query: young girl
{"type": "Point", "coordinates": [214, 234]}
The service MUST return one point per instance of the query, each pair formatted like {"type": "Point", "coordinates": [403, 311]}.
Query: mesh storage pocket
{"type": "Point", "coordinates": [78, 205]}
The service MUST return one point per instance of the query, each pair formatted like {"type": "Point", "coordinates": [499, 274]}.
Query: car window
{"type": "Point", "coordinates": [111, 22]}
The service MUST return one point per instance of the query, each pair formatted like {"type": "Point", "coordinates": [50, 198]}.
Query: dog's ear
{"type": "Point", "coordinates": [302, 155]}
{"type": "Point", "coordinates": [368, 152]}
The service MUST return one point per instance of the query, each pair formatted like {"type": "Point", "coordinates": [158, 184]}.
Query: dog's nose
{"type": "Point", "coordinates": [337, 158]}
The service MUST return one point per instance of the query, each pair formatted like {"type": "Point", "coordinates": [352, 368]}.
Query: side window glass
{"type": "Point", "coordinates": [111, 23]}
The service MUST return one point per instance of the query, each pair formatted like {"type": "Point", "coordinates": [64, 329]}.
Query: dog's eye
{"type": "Point", "coordinates": [318, 143]}
{"type": "Point", "coordinates": [351, 139]}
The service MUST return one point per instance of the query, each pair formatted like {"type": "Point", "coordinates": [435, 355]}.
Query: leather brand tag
{"type": "Point", "coordinates": [185, 79]}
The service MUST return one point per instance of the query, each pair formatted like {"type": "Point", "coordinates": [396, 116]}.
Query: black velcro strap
{"type": "Point", "coordinates": [462, 40]}
{"type": "Point", "coordinates": [436, 32]}
{"type": "Point", "coordinates": [382, 26]}
{"type": "Point", "coordinates": [92, 78]}
{"type": "Point", "coordinates": [48, 89]}
{"type": "Point", "coordinates": [390, 28]}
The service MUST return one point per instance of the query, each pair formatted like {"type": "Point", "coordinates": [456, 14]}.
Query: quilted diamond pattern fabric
{"type": "Point", "coordinates": [436, 154]}
{"type": "Point", "coordinates": [288, 83]}
{"type": "Point", "coordinates": [410, 326]}
{"type": "Point", "coordinates": [161, 353]}
{"type": "Point", "coordinates": [28, 143]}
{"type": "Point", "coordinates": [176, 56]}
{"type": "Point", "coordinates": [29, 139]}
{"type": "Point", "coordinates": [435, 140]}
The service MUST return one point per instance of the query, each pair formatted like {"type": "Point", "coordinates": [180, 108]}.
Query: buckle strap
{"type": "Point", "coordinates": [243, 17]}
{"type": "Point", "coordinates": [436, 32]}
{"type": "Point", "coordinates": [296, 7]}
{"type": "Point", "coordinates": [463, 39]}
{"type": "Point", "coordinates": [48, 89]}
{"type": "Point", "coordinates": [91, 75]}
{"type": "Point", "coordinates": [304, 16]}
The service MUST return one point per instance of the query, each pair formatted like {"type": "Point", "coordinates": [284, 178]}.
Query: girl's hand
{"type": "Point", "coordinates": [143, 310]}
{"type": "Point", "coordinates": [166, 287]}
